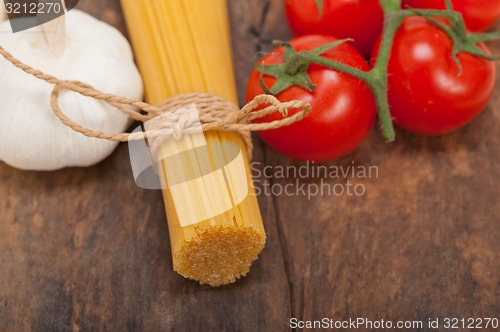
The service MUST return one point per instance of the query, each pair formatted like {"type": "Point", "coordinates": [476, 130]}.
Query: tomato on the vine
{"type": "Point", "coordinates": [427, 92]}
{"type": "Point", "coordinates": [343, 107]}
{"type": "Point", "coordinates": [479, 15]}
{"type": "Point", "coordinates": [361, 20]}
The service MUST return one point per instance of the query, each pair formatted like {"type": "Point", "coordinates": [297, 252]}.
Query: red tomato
{"type": "Point", "coordinates": [479, 15]}
{"type": "Point", "coordinates": [426, 93]}
{"type": "Point", "coordinates": [343, 107]}
{"type": "Point", "coordinates": [361, 20]}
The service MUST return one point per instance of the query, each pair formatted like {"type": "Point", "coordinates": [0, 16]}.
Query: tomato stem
{"type": "Point", "coordinates": [483, 37]}
{"type": "Point", "coordinates": [378, 78]}
{"type": "Point", "coordinates": [319, 3]}
{"type": "Point", "coordinates": [362, 75]}
{"type": "Point", "coordinates": [390, 6]}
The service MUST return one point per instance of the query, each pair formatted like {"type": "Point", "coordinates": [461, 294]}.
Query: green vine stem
{"type": "Point", "coordinates": [294, 69]}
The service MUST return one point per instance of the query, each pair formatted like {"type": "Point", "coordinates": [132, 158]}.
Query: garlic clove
{"type": "Point", "coordinates": [3, 13]}
{"type": "Point", "coordinates": [54, 31]}
{"type": "Point", "coordinates": [31, 136]}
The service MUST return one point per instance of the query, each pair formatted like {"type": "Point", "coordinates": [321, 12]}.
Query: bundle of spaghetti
{"type": "Point", "coordinates": [215, 225]}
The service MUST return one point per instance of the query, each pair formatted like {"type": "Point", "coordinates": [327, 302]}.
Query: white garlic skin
{"type": "Point", "coordinates": [31, 136]}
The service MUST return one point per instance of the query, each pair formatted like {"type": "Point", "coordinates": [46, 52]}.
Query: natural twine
{"type": "Point", "coordinates": [215, 113]}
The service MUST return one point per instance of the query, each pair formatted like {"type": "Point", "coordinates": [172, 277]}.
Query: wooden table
{"type": "Point", "coordinates": [86, 250]}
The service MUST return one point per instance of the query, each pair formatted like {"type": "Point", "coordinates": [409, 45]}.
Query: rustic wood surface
{"type": "Point", "coordinates": [86, 250]}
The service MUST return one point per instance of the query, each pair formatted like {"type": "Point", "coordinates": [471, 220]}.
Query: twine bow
{"type": "Point", "coordinates": [215, 113]}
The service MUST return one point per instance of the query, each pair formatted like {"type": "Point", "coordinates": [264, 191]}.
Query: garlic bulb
{"type": "Point", "coordinates": [75, 46]}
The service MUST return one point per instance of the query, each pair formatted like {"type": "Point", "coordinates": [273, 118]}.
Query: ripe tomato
{"type": "Point", "coordinates": [361, 20]}
{"type": "Point", "coordinates": [427, 95]}
{"type": "Point", "coordinates": [343, 107]}
{"type": "Point", "coordinates": [479, 15]}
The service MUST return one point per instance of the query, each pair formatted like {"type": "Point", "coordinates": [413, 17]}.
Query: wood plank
{"type": "Point", "coordinates": [85, 249]}
{"type": "Point", "coordinates": [423, 242]}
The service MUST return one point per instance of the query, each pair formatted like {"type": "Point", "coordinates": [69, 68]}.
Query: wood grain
{"type": "Point", "coordinates": [86, 250]}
